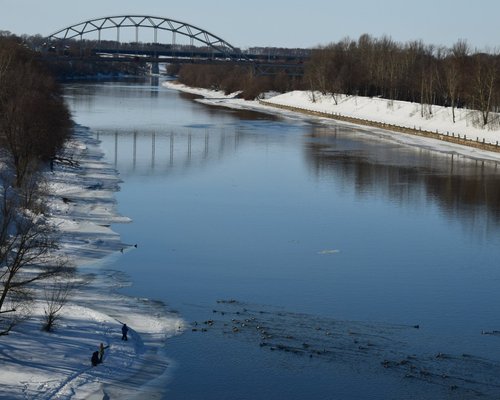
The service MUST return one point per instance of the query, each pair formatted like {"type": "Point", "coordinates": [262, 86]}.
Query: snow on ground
{"type": "Point", "coordinates": [209, 94]}
{"type": "Point", "coordinates": [41, 365]}
{"type": "Point", "coordinates": [401, 113]}
{"type": "Point", "coordinates": [82, 200]}
{"type": "Point", "coordinates": [404, 114]}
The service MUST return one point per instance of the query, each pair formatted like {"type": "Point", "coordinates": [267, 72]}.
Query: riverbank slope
{"type": "Point", "coordinates": [41, 365]}
{"type": "Point", "coordinates": [396, 120]}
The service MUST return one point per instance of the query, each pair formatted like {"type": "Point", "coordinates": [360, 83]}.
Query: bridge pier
{"type": "Point", "coordinates": [155, 68]}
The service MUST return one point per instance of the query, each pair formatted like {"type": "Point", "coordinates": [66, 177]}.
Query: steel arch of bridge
{"type": "Point", "coordinates": [145, 21]}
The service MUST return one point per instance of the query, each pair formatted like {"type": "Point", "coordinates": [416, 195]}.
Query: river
{"type": "Point", "coordinates": [312, 231]}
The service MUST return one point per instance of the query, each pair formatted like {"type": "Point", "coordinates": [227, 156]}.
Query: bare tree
{"type": "Point", "coordinates": [27, 250]}
{"type": "Point", "coordinates": [485, 81]}
{"type": "Point", "coordinates": [317, 74]}
{"type": "Point", "coordinates": [453, 70]}
{"type": "Point", "coordinates": [367, 57]}
{"type": "Point", "coordinates": [57, 293]}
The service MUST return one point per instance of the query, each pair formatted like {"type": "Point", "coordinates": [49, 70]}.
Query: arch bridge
{"type": "Point", "coordinates": [149, 22]}
{"type": "Point", "coordinates": [202, 45]}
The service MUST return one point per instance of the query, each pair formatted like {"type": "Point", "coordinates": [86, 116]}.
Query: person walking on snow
{"type": "Point", "coordinates": [101, 352]}
{"type": "Point", "coordinates": [124, 332]}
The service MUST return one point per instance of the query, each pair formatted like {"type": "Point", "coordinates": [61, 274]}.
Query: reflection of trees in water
{"type": "Point", "coordinates": [465, 189]}
{"type": "Point", "coordinates": [240, 113]}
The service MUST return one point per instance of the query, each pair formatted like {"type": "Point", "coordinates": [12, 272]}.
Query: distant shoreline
{"type": "Point", "coordinates": [464, 141]}
{"type": "Point", "coordinates": [387, 117]}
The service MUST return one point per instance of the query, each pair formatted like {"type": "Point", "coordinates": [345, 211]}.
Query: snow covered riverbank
{"type": "Point", "coordinates": [403, 114]}
{"type": "Point", "coordinates": [40, 365]}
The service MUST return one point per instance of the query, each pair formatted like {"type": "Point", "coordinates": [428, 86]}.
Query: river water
{"type": "Point", "coordinates": [315, 231]}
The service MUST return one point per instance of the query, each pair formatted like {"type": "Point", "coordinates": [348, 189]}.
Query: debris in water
{"type": "Point", "coordinates": [328, 251]}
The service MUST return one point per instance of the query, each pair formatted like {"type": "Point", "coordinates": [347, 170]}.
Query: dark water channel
{"type": "Point", "coordinates": [299, 228]}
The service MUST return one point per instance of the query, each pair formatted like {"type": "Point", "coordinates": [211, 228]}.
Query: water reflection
{"type": "Point", "coordinates": [150, 152]}
{"type": "Point", "coordinates": [464, 189]}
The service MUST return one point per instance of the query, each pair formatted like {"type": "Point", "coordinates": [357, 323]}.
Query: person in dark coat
{"type": "Point", "coordinates": [124, 332]}
{"type": "Point", "coordinates": [95, 358]}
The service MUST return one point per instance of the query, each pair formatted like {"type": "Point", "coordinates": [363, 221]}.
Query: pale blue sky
{"type": "Point", "coordinates": [286, 23]}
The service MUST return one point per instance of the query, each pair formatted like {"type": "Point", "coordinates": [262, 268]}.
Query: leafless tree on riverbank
{"type": "Point", "coordinates": [57, 292]}
{"type": "Point", "coordinates": [485, 82]}
{"type": "Point", "coordinates": [27, 250]}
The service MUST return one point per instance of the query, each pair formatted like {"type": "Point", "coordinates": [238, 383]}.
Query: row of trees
{"type": "Point", "coordinates": [34, 119]}
{"type": "Point", "coordinates": [34, 124]}
{"type": "Point", "coordinates": [65, 68]}
{"type": "Point", "coordinates": [233, 78]}
{"type": "Point", "coordinates": [425, 74]}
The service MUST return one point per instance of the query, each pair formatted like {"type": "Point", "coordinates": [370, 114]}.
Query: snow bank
{"type": "Point", "coordinates": [207, 93]}
{"type": "Point", "coordinates": [40, 365]}
{"type": "Point", "coordinates": [82, 200]}
{"type": "Point", "coordinates": [401, 113]}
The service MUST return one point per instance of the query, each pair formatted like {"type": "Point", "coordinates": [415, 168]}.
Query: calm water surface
{"type": "Point", "coordinates": [323, 220]}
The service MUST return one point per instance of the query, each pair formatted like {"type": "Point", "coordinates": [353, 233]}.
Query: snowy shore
{"type": "Point", "coordinates": [41, 365]}
{"type": "Point", "coordinates": [403, 114]}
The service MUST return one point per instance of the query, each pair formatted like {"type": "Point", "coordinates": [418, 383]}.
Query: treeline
{"type": "Point", "coordinates": [34, 119]}
{"type": "Point", "coordinates": [67, 70]}
{"type": "Point", "coordinates": [233, 78]}
{"type": "Point", "coordinates": [34, 124]}
{"type": "Point", "coordinates": [74, 61]}
{"type": "Point", "coordinates": [413, 71]}
{"type": "Point", "coordinates": [425, 74]}
{"type": "Point", "coordinates": [58, 63]}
